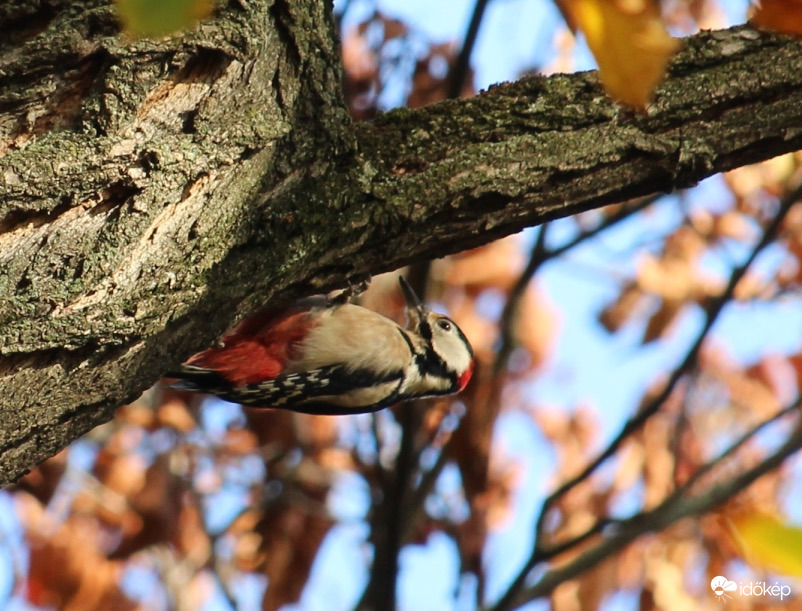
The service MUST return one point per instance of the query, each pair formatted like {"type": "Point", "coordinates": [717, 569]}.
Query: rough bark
{"type": "Point", "coordinates": [152, 192]}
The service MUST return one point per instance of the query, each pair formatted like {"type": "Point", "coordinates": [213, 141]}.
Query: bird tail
{"type": "Point", "coordinates": [198, 379]}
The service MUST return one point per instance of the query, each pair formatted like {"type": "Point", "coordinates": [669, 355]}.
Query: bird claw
{"type": "Point", "coordinates": [356, 286]}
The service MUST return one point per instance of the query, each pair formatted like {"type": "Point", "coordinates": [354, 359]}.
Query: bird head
{"type": "Point", "coordinates": [446, 344]}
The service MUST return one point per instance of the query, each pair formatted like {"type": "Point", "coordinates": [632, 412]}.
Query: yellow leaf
{"type": "Point", "coordinates": [780, 15]}
{"type": "Point", "coordinates": [155, 18]}
{"type": "Point", "coordinates": [768, 543]}
{"type": "Point", "coordinates": [630, 44]}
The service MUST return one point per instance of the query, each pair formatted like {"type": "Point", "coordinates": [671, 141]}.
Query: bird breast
{"type": "Point", "coordinates": [354, 336]}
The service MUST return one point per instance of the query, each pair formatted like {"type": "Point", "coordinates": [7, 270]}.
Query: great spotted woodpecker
{"type": "Point", "coordinates": [327, 357]}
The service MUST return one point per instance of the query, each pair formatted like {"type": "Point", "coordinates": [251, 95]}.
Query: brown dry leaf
{"type": "Point", "coordinates": [158, 504]}
{"type": "Point", "coordinates": [565, 9]}
{"type": "Point", "coordinates": [689, 455]}
{"type": "Point", "coordinates": [685, 244]}
{"type": "Point", "coordinates": [689, 16]}
{"type": "Point", "coordinates": [191, 537]}
{"type": "Point", "coordinates": [361, 83]}
{"type": "Point", "coordinates": [317, 431]}
{"type": "Point", "coordinates": [553, 423]}
{"type": "Point", "coordinates": [121, 473]}
{"type": "Point", "coordinates": [497, 264]}
{"type": "Point", "coordinates": [291, 538]}
{"type": "Point", "coordinates": [598, 583]}
{"type": "Point", "coordinates": [428, 86]}
{"type": "Point", "coordinates": [245, 522]}
{"type": "Point", "coordinates": [734, 225]}
{"type": "Point", "coordinates": [248, 554]}
{"type": "Point", "coordinates": [573, 435]}
{"type": "Point", "coordinates": [175, 414]}
{"type": "Point", "coordinates": [747, 182]}
{"type": "Point", "coordinates": [631, 461]}
{"type": "Point", "coordinates": [272, 427]}
{"type": "Point", "coordinates": [239, 442]}
{"type": "Point", "coordinates": [791, 272]}
{"type": "Point", "coordinates": [659, 467]}
{"type": "Point", "coordinates": [753, 286]}
{"type": "Point", "coordinates": [796, 363]}
{"type": "Point", "coordinates": [358, 58]}
{"type": "Point", "coordinates": [779, 15]}
{"type": "Point", "coordinates": [433, 418]}
{"type": "Point", "coordinates": [42, 481]}
{"type": "Point", "coordinates": [471, 538]}
{"type": "Point", "coordinates": [336, 459]}
{"type": "Point", "coordinates": [754, 394]}
{"type": "Point", "coordinates": [630, 44]}
{"type": "Point", "coordinates": [394, 28]}
{"type": "Point", "coordinates": [564, 44]}
{"type": "Point", "coordinates": [391, 28]}
{"type": "Point", "coordinates": [470, 446]}
{"type": "Point", "coordinates": [136, 414]}
{"type": "Point", "coordinates": [776, 373]}
{"type": "Point", "coordinates": [667, 581]}
{"type": "Point", "coordinates": [498, 497]}
{"type": "Point", "coordinates": [66, 567]}
{"type": "Point", "coordinates": [537, 325]}
{"type": "Point", "coordinates": [662, 321]}
{"type": "Point", "coordinates": [671, 278]}
{"type": "Point", "coordinates": [622, 310]}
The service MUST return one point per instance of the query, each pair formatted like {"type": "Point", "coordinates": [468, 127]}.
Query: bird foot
{"type": "Point", "coordinates": [356, 286]}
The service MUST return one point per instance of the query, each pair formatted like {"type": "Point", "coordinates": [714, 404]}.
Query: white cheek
{"type": "Point", "coordinates": [454, 352]}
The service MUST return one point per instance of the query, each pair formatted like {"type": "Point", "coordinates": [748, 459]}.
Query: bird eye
{"type": "Point", "coordinates": [444, 325]}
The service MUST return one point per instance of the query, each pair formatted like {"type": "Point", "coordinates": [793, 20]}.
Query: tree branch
{"type": "Point", "coordinates": [459, 72]}
{"type": "Point", "coordinates": [539, 553]}
{"type": "Point", "coordinates": [680, 504]}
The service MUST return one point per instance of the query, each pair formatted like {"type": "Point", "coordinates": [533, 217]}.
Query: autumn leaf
{"type": "Point", "coordinates": [630, 44]}
{"type": "Point", "coordinates": [779, 15]}
{"type": "Point", "coordinates": [662, 321]}
{"type": "Point", "coordinates": [154, 18]}
{"type": "Point", "coordinates": [768, 543]}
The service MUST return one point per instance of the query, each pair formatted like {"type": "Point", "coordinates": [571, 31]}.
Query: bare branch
{"type": "Point", "coordinates": [680, 504]}
{"type": "Point", "coordinates": [459, 71]}
{"type": "Point", "coordinates": [636, 422]}
{"type": "Point", "coordinates": [540, 255]}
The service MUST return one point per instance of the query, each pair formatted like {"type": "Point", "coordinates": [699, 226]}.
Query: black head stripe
{"type": "Point", "coordinates": [430, 363]}
{"type": "Point", "coordinates": [407, 340]}
{"type": "Point", "coordinates": [425, 330]}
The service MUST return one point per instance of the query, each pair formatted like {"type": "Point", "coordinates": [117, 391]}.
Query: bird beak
{"type": "Point", "coordinates": [413, 303]}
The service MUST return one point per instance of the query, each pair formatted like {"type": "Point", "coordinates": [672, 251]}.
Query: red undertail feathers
{"type": "Point", "coordinates": [258, 349]}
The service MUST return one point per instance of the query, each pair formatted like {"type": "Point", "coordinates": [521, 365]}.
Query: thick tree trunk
{"type": "Point", "coordinates": [152, 192]}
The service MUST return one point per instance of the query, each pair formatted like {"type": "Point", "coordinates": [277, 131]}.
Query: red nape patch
{"type": "Point", "coordinates": [463, 380]}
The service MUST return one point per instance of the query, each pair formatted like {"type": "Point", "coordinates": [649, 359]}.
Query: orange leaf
{"type": "Point", "coordinates": [768, 543]}
{"type": "Point", "coordinates": [780, 15]}
{"type": "Point", "coordinates": [661, 322]}
{"type": "Point", "coordinates": [630, 44]}
{"type": "Point", "coordinates": [622, 310]}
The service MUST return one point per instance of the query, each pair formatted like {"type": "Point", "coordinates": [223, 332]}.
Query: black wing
{"type": "Point", "coordinates": [305, 391]}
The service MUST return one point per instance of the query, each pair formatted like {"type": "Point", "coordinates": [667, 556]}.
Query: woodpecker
{"type": "Point", "coordinates": [323, 356]}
